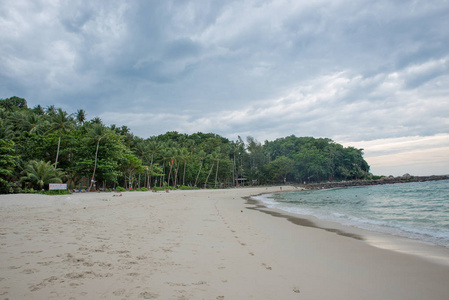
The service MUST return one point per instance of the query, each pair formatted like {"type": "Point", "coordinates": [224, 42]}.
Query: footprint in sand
{"type": "Point", "coordinates": [119, 292]}
{"type": "Point", "coordinates": [148, 295]}
{"type": "Point", "coordinates": [266, 267]}
{"type": "Point", "coordinates": [43, 283]}
{"type": "Point", "coordinates": [30, 271]}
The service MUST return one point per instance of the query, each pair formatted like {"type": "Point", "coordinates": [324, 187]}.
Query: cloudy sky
{"type": "Point", "coordinates": [369, 74]}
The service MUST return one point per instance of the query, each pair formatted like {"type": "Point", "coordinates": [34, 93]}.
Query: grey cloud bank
{"type": "Point", "coordinates": [367, 74]}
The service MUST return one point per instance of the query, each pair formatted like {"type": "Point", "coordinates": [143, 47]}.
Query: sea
{"type": "Point", "coordinates": [418, 210]}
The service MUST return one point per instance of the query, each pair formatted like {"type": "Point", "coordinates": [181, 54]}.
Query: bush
{"type": "Point", "coordinates": [142, 189]}
{"type": "Point", "coordinates": [161, 188]}
{"type": "Point", "coordinates": [184, 187]}
{"type": "Point", "coordinates": [120, 189]}
{"type": "Point", "coordinates": [5, 187]}
{"type": "Point", "coordinates": [25, 190]}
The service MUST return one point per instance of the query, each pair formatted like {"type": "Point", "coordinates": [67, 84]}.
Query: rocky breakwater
{"type": "Point", "coordinates": [384, 180]}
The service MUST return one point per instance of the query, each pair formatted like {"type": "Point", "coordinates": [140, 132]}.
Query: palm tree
{"type": "Point", "coordinates": [96, 120]}
{"type": "Point", "coordinates": [38, 110]}
{"type": "Point", "coordinates": [213, 157]}
{"type": "Point", "coordinates": [184, 156]}
{"type": "Point", "coordinates": [97, 132]}
{"type": "Point", "coordinates": [217, 158]}
{"type": "Point", "coordinates": [153, 148]}
{"type": "Point", "coordinates": [33, 123]}
{"type": "Point", "coordinates": [62, 122]}
{"type": "Point", "coordinates": [201, 157]}
{"type": "Point", "coordinates": [50, 110]}
{"type": "Point", "coordinates": [27, 121]}
{"type": "Point", "coordinates": [173, 153]}
{"type": "Point", "coordinates": [41, 173]}
{"type": "Point", "coordinates": [141, 149]}
{"type": "Point", "coordinates": [234, 150]}
{"type": "Point", "coordinates": [166, 156]}
{"type": "Point", "coordinates": [80, 116]}
{"type": "Point", "coordinates": [190, 145]}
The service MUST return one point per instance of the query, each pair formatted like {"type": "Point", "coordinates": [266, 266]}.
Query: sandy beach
{"type": "Point", "coordinates": [205, 244]}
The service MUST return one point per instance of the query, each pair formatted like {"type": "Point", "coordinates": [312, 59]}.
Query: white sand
{"type": "Point", "coordinates": [192, 245]}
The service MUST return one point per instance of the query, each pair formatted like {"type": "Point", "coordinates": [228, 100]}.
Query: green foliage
{"type": "Point", "coordinates": [8, 161]}
{"type": "Point", "coordinates": [158, 188]}
{"type": "Point", "coordinates": [5, 187]}
{"type": "Point", "coordinates": [183, 187]}
{"type": "Point", "coordinates": [39, 174]}
{"type": "Point", "coordinates": [13, 103]}
{"type": "Point", "coordinates": [27, 191]}
{"type": "Point", "coordinates": [319, 159]}
{"type": "Point", "coordinates": [279, 168]}
{"type": "Point", "coordinates": [88, 150]}
{"type": "Point", "coordinates": [120, 189]}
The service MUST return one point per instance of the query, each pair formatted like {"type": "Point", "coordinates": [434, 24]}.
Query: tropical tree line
{"type": "Point", "coordinates": [41, 145]}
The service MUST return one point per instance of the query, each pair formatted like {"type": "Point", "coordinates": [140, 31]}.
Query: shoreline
{"type": "Point", "coordinates": [429, 251]}
{"type": "Point", "coordinates": [205, 244]}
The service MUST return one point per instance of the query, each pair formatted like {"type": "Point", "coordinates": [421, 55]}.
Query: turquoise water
{"type": "Point", "coordinates": [418, 210]}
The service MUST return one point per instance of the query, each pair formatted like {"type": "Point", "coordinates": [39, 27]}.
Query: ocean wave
{"type": "Point", "coordinates": [392, 210]}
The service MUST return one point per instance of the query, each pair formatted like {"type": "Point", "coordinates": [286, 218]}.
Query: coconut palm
{"type": "Point", "coordinates": [165, 157]}
{"type": "Point", "coordinates": [62, 122]}
{"type": "Point", "coordinates": [168, 155]}
{"type": "Point", "coordinates": [38, 110]}
{"type": "Point", "coordinates": [50, 110]}
{"type": "Point", "coordinates": [27, 121]}
{"type": "Point", "coordinates": [97, 132]}
{"type": "Point", "coordinates": [201, 156]}
{"type": "Point", "coordinates": [141, 150]}
{"type": "Point", "coordinates": [184, 157]}
{"type": "Point", "coordinates": [173, 154]}
{"type": "Point", "coordinates": [41, 173]}
{"type": "Point", "coordinates": [153, 148]}
{"type": "Point", "coordinates": [96, 120]}
{"type": "Point", "coordinates": [80, 116]}
{"type": "Point", "coordinates": [33, 123]}
{"type": "Point", "coordinates": [217, 159]}
{"type": "Point", "coordinates": [213, 157]}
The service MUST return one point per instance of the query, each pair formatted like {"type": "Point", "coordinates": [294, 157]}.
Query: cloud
{"type": "Point", "coordinates": [351, 71]}
{"type": "Point", "coordinates": [418, 155]}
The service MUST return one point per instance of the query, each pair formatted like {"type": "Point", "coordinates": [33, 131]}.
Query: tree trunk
{"type": "Point", "coordinates": [95, 166]}
{"type": "Point", "coordinates": [57, 152]}
{"type": "Point", "coordinates": [163, 174]}
{"type": "Point", "coordinates": [233, 173]}
{"type": "Point", "coordinates": [205, 183]}
{"type": "Point", "coordinates": [176, 176]}
{"type": "Point", "coordinates": [151, 168]}
{"type": "Point", "coordinates": [198, 175]}
{"type": "Point", "coordinates": [216, 173]}
{"type": "Point", "coordinates": [169, 174]}
{"type": "Point", "coordinates": [184, 174]}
